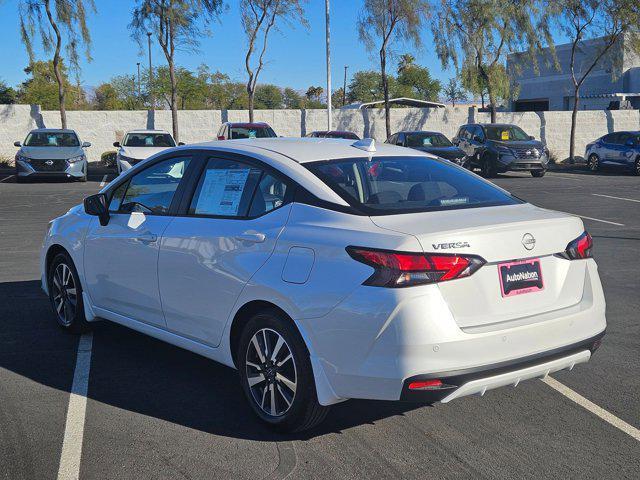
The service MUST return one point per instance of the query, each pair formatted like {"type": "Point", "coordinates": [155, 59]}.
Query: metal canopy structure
{"type": "Point", "coordinates": [405, 101]}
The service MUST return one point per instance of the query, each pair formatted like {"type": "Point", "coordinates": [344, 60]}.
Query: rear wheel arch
{"type": "Point", "coordinates": [245, 313]}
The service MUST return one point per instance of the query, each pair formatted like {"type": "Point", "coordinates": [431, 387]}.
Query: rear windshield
{"type": "Point", "coordinates": [505, 133]}
{"type": "Point", "coordinates": [427, 140]}
{"type": "Point", "coordinates": [149, 140]}
{"type": "Point", "coordinates": [391, 185]}
{"type": "Point", "coordinates": [257, 132]}
{"type": "Point", "coordinates": [51, 139]}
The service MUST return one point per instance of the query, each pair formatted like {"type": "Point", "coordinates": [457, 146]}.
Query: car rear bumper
{"type": "Point", "coordinates": [377, 340]}
{"type": "Point", "coordinates": [477, 381]}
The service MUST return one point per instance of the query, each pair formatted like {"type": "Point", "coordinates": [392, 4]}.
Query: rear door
{"type": "Point", "coordinates": [607, 151]}
{"type": "Point", "coordinates": [227, 230]}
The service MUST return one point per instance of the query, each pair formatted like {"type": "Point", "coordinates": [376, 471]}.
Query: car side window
{"type": "Point", "coordinates": [117, 196]}
{"type": "Point", "coordinates": [477, 131]}
{"type": "Point", "coordinates": [609, 138]}
{"type": "Point", "coordinates": [622, 138]}
{"type": "Point", "coordinates": [225, 189]}
{"type": "Point", "coordinates": [400, 139]}
{"type": "Point", "coordinates": [270, 194]}
{"type": "Point", "coordinates": [393, 138]}
{"type": "Point", "coordinates": [464, 133]}
{"type": "Point", "coordinates": [152, 190]}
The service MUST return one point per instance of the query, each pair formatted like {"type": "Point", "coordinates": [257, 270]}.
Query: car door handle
{"type": "Point", "coordinates": [251, 237]}
{"type": "Point", "coordinates": [147, 238]}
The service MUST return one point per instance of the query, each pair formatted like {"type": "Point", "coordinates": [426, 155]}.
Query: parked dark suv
{"type": "Point", "coordinates": [498, 148]}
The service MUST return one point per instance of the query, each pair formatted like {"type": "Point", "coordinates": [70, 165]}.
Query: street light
{"type": "Point", "coordinates": [138, 79]}
{"type": "Point", "coordinates": [328, 37]}
{"type": "Point", "coordinates": [151, 99]}
{"type": "Point", "coordinates": [344, 87]}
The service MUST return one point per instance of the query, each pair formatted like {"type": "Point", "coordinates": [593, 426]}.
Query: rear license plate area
{"type": "Point", "coordinates": [522, 276]}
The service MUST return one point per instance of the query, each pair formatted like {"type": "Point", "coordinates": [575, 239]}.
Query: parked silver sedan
{"type": "Point", "coordinates": [48, 152]}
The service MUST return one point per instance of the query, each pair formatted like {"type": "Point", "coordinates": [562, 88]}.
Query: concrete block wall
{"type": "Point", "coordinates": [102, 128]}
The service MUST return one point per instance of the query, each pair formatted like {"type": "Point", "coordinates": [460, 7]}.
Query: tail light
{"type": "Point", "coordinates": [581, 247]}
{"type": "Point", "coordinates": [400, 269]}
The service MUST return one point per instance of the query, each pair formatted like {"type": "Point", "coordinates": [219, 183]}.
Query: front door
{"type": "Point", "coordinates": [209, 253]}
{"type": "Point", "coordinates": [121, 258]}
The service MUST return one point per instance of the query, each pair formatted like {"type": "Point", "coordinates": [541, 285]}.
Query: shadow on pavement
{"type": "Point", "coordinates": [139, 374]}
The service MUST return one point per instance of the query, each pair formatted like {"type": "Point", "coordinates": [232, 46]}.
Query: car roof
{"type": "Point", "coordinates": [311, 149]}
{"type": "Point", "coordinates": [148, 131]}
{"type": "Point", "coordinates": [52, 130]}
{"type": "Point", "coordinates": [430, 132]}
{"type": "Point", "coordinates": [247, 124]}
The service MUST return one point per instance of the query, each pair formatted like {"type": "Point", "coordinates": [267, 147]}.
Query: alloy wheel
{"type": "Point", "coordinates": [638, 166]}
{"type": "Point", "coordinates": [64, 294]}
{"type": "Point", "coordinates": [271, 372]}
{"type": "Point", "coordinates": [593, 163]}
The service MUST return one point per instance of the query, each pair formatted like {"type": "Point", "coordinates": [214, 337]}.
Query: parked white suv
{"type": "Point", "coordinates": [325, 270]}
{"type": "Point", "coordinates": [138, 145]}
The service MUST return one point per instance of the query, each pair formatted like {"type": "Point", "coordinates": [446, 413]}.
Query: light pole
{"type": "Point", "coordinates": [138, 80]}
{"type": "Point", "coordinates": [344, 87]}
{"type": "Point", "coordinates": [328, 36]}
{"type": "Point", "coordinates": [151, 99]}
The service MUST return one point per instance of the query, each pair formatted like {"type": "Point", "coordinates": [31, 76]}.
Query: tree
{"type": "Point", "coordinates": [383, 21]}
{"type": "Point", "coordinates": [268, 97]}
{"type": "Point", "coordinates": [337, 97]}
{"type": "Point", "coordinates": [581, 20]}
{"type": "Point", "coordinates": [365, 86]}
{"type": "Point", "coordinates": [7, 94]}
{"type": "Point", "coordinates": [292, 99]}
{"type": "Point", "coordinates": [453, 92]}
{"type": "Point", "coordinates": [67, 18]}
{"type": "Point", "coordinates": [106, 98]}
{"type": "Point", "coordinates": [259, 18]}
{"type": "Point", "coordinates": [42, 88]}
{"type": "Point", "coordinates": [415, 81]}
{"type": "Point", "coordinates": [176, 24]}
{"type": "Point", "coordinates": [480, 32]}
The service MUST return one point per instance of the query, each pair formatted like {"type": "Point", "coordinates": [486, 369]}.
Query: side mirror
{"type": "Point", "coordinates": [531, 137]}
{"type": "Point", "coordinates": [17, 144]}
{"type": "Point", "coordinates": [96, 205]}
{"type": "Point", "coordinates": [180, 144]}
{"type": "Point", "coordinates": [86, 144]}
{"type": "Point", "coordinates": [477, 138]}
{"type": "Point", "coordinates": [116, 144]}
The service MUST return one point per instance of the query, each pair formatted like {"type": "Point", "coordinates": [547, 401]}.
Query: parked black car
{"type": "Point", "coordinates": [498, 148]}
{"type": "Point", "coordinates": [431, 142]}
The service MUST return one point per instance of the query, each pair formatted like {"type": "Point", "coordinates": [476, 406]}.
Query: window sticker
{"type": "Point", "coordinates": [222, 191]}
{"type": "Point", "coordinates": [504, 135]}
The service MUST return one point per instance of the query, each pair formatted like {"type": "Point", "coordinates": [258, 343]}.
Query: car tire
{"type": "Point", "coordinates": [538, 173]}
{"type": "Point", "coordinates": [636, 167]}
{"type": "Point", "coordinates": [277, 380]}
{"type": "Point", "coordinates": [65, 294]}
{"type": "Point", "coordinates": [488, 169]}
{"type": "Point", "coordinates": [593, 162]}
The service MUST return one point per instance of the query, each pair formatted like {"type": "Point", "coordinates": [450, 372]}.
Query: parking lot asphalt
{"type": "Point", "coordinates": [155, 411]}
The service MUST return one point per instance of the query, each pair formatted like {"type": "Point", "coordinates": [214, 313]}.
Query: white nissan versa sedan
{"type": "Point", "coordinates": [328, 269]}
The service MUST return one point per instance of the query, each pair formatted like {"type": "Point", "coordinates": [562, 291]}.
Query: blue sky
{"type": "Point", "coordinates": [296, 56]}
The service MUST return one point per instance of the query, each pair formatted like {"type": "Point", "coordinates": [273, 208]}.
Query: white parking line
{"type": "Point", "coordinates": [104, 180]}
{"type": "Point", "coordinates": [599, 220]}
{"type": "Point", "coordinates": [555, 175]}
{"type": "Point", "coordinates": [7, 178]}
{"type": "Point", "coordinates": [69, 468]}
{"type": "Point", "coordinates": [593, 408]}
{"type": "Point", "coordinates": [616, 198]}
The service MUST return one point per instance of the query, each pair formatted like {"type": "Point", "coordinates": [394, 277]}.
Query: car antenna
{"type": "Point", "coordinates": [366, 144]}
